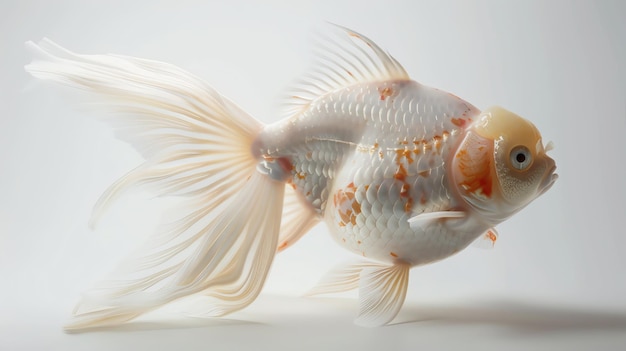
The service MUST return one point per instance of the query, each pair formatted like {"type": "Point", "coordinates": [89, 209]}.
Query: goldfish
{"type": "Point", "coordinates": [402, 175]}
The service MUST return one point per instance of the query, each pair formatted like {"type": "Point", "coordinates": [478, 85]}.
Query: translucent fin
{"type": "Point", "coordinates": [227, 258]}
{"type": "Point", "coordinates": [297, 219]}
{"type": "Point", "coordinates": [344, 58]}
{"type": "Point", "coordinates": [487, 240]}
{"type": "Point", "coordinates": [382, 289]}
{"type": "Point", "coordinates": [197, 145]}
{"type": "Point", "coordinates": [343, 277]}
{"type": "Point", "coordinates": [424, 219]}
{"type": "Point", "coordinates": [176, 121]}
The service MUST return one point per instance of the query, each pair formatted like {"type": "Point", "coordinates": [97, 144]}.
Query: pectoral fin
{"type": "Point", "coordinates": [487, 240]}
{"type": "Point", "coordinates": [422, 220]}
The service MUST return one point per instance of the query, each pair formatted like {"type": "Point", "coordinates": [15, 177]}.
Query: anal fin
{"type": "Point", "coordinates": [297, 219]}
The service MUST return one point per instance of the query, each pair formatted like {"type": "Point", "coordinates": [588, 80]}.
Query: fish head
{"type": "Point", "coordinates": [501, 165]}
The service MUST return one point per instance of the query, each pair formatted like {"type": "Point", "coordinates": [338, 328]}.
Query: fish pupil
{"type": "Point", "coordinates": [520, 157]}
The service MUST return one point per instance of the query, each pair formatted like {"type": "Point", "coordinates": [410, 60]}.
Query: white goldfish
{"type": "Point", "coordinates": [402, 174]}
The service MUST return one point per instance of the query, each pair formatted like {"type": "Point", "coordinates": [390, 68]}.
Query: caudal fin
{"type": "Point", "coordinates": [197, 145]}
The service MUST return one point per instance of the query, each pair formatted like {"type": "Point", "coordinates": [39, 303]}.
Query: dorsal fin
{"type": "Point", "coordinates": [343, 58]}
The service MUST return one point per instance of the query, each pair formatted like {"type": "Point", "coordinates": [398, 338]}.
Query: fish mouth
{"type": "Point", "coordinates": [549, 180]}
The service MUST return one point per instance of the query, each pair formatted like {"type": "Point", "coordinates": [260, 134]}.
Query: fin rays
{"type": "Point", "coordinates": [344, 58]}
{"type": "Point", "coordinates": [382, 289]}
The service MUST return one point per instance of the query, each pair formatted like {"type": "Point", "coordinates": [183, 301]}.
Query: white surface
{"type": "Point", "coordinates": [554, 281]}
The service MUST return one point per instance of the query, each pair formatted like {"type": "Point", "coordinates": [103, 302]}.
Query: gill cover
{"type": "Point", "coordinates": [501, 165]}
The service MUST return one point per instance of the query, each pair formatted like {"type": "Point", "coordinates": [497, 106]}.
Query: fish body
{"type": "Point", "coordinates": [402, 174]}
{"type": "Point", "coordinates": [368, 157]}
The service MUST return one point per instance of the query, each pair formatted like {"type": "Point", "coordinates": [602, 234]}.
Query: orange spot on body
{"type": "Point", "coordinates": [401, 173]}
{"type": "Point", "coordinates": [459, 122]}
{"type": "Point", "coordinates": [346, 205]}
{"type": "Point", "coordinates": [393, 254]}
{"type": "Point", "coordinates": [404, 191]}
{"type": "Point", "coordinates": [437, 141]}
{"type": "Point", "coordinates": [404, 153]}
{"type": "Point", "coordinates": [408, 206]}
{"type": "Point", "coordinates": [385, 93]}
{"type": "Point", "coordinates": [282, 246]}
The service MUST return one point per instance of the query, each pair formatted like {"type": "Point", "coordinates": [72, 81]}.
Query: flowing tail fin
{"type": "Point", "coordinates": [197, 145]}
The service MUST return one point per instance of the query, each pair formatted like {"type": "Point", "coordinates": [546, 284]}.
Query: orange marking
{"type": "Point", "coordinates": [380, 154]}
{"type": "Point", "coordinates": [349, 195]}
{"type": "Point", "coordinates": [282, 246]}
{"type": "Point", "coordinates": [393, 254]}
{"type": "Point", "coordinates": [476, 172]}
{"type": "Point", "coordinates": [375, 145]}
{"type": "Point", "coordinates": [385, 93]}
{"type": "Point", "coordinates": [437, 141]}
{"type": "Point", "coordinates": [424, 174]}
{"type": "Point", "coordinates": [290, 182]}
{"type": "Point", "coordinates": [301, 175]}
{"type": "Point", "coordinates": [358, 242]}
{"type": "Point", "coordinates": [347, 207]}
{"type": "Point", "coordinates": [404, 191]}
{"type": "Point", "coordinates": [459, 122]}
{"type": "Point", "coordinates": [401, 173]}
{"type": "Point", "coordinates": [408, 206]}
{"type": "Point", "coordinates": [404, 153]}
{"type": "Point", "coordinates": [491, 236]}
{"type": "Point", "coordinates": [345, 215]}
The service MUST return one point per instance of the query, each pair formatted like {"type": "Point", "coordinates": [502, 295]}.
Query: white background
{"type": "Point", "coordinates": [554, 281]}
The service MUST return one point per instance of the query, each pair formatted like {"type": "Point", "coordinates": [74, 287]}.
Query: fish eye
{"type": "Point", "coordinates": [521, 157]}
